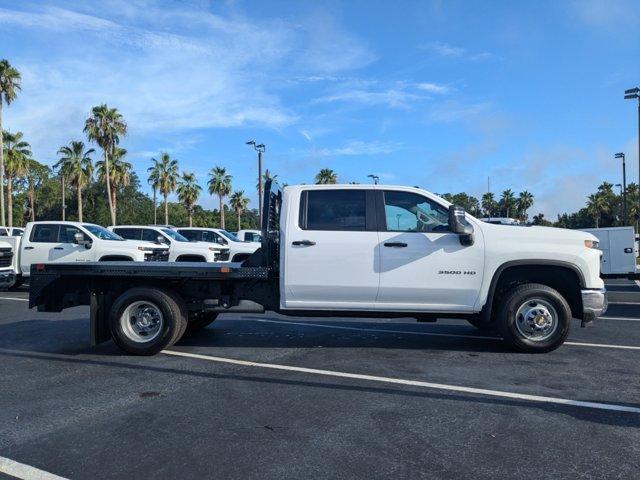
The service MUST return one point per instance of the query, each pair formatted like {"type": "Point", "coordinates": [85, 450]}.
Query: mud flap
{"type": "Point", "coordinates": [99, 323]}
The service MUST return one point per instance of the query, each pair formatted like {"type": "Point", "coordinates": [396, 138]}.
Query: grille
{"type": "Point", "coordinates": [5, 259]}
{"type": "Point", "coordinates": [223, 255]}
{"type": "Point", "coordinates": [158, 255]}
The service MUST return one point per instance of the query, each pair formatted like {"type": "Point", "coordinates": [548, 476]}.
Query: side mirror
{"type": "Point", "coordinates": [458, 224]}
{"type": "Point", "coordinates": [160, 239]}
{"type": "Point", "coordinates": [78, 238]}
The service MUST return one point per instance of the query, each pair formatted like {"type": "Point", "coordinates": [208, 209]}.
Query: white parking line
{"type": "Point", "coordinates": [15, 299]}
{"type": "Point", "coordinates": [413, 383]}
{"type": "Point", "coordinates": [624, 303]}
{"type": "Point", "coordinates": [620, 318]}
{"type": "Point", "coordinates": [429, 334]}
{"type": "Point", "coordinates": [26, 472]}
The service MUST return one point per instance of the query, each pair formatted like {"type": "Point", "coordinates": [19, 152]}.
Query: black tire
{"type": "Point", "coordinates": [519, 298]}
{"type": "Point", "coordinates": [174, 319]}
{"type": "Point", "coordinates": [482, 325]}
{"type": "Point", "coordinates": [200, 320]}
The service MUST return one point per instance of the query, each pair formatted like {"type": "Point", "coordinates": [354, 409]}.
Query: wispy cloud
{"type": "Point", "coordinates": [604, 14]}
{"type": "Point", "coordinates": [358, 147]}
{"type": "Point", "coordinates": [434, 88]}
{"type": "Point", "coordinates": [443, 49]}
{"type": "Point", "coordinates": [393, 98]}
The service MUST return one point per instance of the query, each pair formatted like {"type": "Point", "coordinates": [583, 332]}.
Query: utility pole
{"type": "Point", "coordinates": [260, 148]}
{"type": "Point", "coordinates": [64, 202]}
{"type": "Point", "coordinates": [631, 94]}
{"type": "Point", "coordinates": [624, 188]}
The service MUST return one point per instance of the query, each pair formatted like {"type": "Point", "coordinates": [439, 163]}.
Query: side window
{"type": "Point", "coordinates": [211, 237]}
{"type": "Point", "coordinates": [337, 210]}
{"type": "Point", "coordinates": [45, 234]}
{"type": "Point", "coordinates": [410, 212]}
{"type": "Point", "coordinates": [128, 233]}
{"type": "Point", "coordinates": [67, 233]}
{"type": "Point", "coordinates": [3, 232]}
{"type": "Point", "coordinates": [252, 237]}
{"type": "Point", "coordinates": [191, 235]}
{"type": "Point", "coordinates": [149, 235]}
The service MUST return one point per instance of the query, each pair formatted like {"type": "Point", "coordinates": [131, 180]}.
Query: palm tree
{"type": "Point", "coordinates": [267, 175]}
{"type": "Point", "coordinates": [188, 193]}
{"type": "Point", "coordinates": [488, 204]}
{"type": "Point", "coordinates": [154, 181]}
{"type": "Point", "coordinates": [525, 202]}
{"type": "Point", "coordinates": [239, 203]}
{"type": "Point", "coordinates": [597, 205]}
{"type": "Point", "coordinates": [326, 175]}
{"type": "Point", "coordinates": [105, 126]}
{"type": "Point", "coordinates": [220, 184]}
{"type": "Point", "coordinates": [18, 151]}
{"type": "Point", "coordinates": [508, 200]}
{"type": "Point", "coordinates": [37, 173]}
{"type": "Point", "coordinates": [9, 88]}
{"type": "Point", "coordinates": [119, 173]}
{"type": "Point", "coordinates": [77, 167]}
{"type": "Point", "coordinates": [167, 180]}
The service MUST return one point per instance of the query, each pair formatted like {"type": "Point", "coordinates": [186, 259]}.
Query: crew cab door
{"type": "Point", "coordinates": [423, 265]}
{"type": "Point", "coordinates": [52, 242]}
{"type": "Point", "coordinates": [330, 250]}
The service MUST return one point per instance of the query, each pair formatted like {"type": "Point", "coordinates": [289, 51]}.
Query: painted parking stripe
{"type": "Point", "coordinates": [620, 318]}
{"type": "Point", "coordinates": [25, 472]}
{"type": "Point", "coordinates": [413, 383]}
{"type": "Point", "coordinates": [15, 299]}
{"type": "Point", "coordinates": [624, 303]}
{"type": "Point", "coordinates": [430, 334]}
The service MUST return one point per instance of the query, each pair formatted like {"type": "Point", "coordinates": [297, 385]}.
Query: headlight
{"type": "Point", "coordinates": [592, 243]}
{"type": "Point", "coordinates": [145, 249]}
{"type": "Point", "coordinates": [213, 249]}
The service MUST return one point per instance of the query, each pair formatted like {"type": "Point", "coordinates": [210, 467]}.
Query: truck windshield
{"type": "Point", "coordinates": [175, 235]}
{"type": "Point", "coordinates": [102, 233]}
{"type": "Point", "coordinates": [229, 235]}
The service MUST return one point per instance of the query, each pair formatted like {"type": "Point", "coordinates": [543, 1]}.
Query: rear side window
{"type": "Point", "coordinates": [128, 233]}
{"type": "Point", "coordinates": [191, 235]}
{"type": "Point", "coordinates": [45, 234]}
{"type": "Point", "coordinates": [337, 210]}
{"type": "Point", "coordinates": [149, 235]}
{"type": "Point", "coordinates": [212, 237]}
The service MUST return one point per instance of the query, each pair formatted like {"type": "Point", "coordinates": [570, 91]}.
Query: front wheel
{"type": "Point", "coordinates": [534, 318]}
{"type": "Point", "coordinates": [144, 321]}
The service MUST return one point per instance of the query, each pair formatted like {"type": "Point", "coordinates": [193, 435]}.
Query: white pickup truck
{"type": "Point", "coordinates": [50, 241]}
{"type": "Point", "coordinates": [351, 250]}
{"type": "Point", "coordinates": [180, 249]}
{"type": "Point", "coordinates": [239, 250]}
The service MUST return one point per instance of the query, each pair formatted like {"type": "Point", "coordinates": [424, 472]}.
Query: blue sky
{"type": "Point", "coordinates": [440, 94]}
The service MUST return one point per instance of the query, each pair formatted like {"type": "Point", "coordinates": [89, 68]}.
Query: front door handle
{"type": "Point", "coordinates": [28, 248]}
{"type": "Point", "coordinates": [58, 248]}
{"type": "Point", "coordinates": [395, 244]}
{"type": "Point", "coordinates": [306, 243]}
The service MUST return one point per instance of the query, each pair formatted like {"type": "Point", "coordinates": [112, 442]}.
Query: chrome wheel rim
{"type": "Point", "coordinates": [536, 319]}
{"type": "Point", "coordinates": [141, 321]}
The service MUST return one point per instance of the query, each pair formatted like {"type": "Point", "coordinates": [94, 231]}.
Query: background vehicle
{"type": "Point", "coordinates": [501, 220]}
{"type": "Point", "coordinates": [249, 236]}
{"type": "Point", "coordinates": [180, 249]}
{"type": "Point", "coordinates": [351, 250]}
{"type": "Point", "coordinates": [47, 242]}
{"type": "Point", "coordinates": [7, 272]}
{"type": "Point", "coordinates": [619, 251]}
{"type": "Point", "coordinates": [11, 232]}
{"type": "Point", "coordinates": [239, 251]}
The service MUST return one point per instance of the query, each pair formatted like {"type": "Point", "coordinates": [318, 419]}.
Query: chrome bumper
{"type": "Point", "coordinates": [594, 305]}
{"type": "Point", "coordinates": [7, 279]}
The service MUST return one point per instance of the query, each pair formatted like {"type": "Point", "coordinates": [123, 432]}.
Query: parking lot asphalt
{"type": "Point", "coordinates": [269, 396]}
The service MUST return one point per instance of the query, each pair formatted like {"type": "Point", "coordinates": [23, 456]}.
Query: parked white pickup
{"type": "Point", "coordinates": [249, 236]}
{"type": "Point", "coordinates": [238, 250]}
{"type": "Point", "coordinates": [47, 242]}
{"type": "Point", "coordinates": [180, 249]}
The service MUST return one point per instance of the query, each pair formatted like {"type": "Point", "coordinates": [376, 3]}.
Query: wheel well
{"type": "Point", "coordinates": [240, 257]}
{"type": "Point", "coordinates": [563, 279]}
{"type": "Point", "coordinates": [190, 258]}
{"type": "Point", "coordinates": [116, 258]}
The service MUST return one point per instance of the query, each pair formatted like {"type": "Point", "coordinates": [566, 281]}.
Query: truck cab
{"type": "Point", "coordinates": [239, 250]}
{"type": "Point", "coordinates": [180, 249]}
{"type": "Point", "coordinates": [249, 236]}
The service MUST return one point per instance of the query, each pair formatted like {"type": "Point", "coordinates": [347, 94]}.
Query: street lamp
{"type": "Point", "coordinates": [631, 94]}
{"type": "Point", "coordinates": [624, 187]}
{"type": "Point", "coordinates": [375, 178]}
{"type": "Point", "coordinates": [260, 148]}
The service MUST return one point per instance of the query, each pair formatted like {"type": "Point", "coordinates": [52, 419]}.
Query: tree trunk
{"type": "Point", "coordinates": [155, 207]}
{"type": "Point", "coordinates": [190, 218]}
{"type": "Point", "coordinates": [221, 213]}
{"type": "Point", "coordinates": [239, 213]}
{"type": "Point", "coordinates": [166, 210]}
{"type": "Point", "coordinates": [114, 201]}
{"type": "Point", "coordinates": [32, 201]}
{"type": "Point", "coordinates": [1, 169]}
{"type": "Point", "coordinates": [64, 205]}
{"type": "Point", "coordinates": [79, 203]}
{"type": "Point", "coordinates": [108, 181]}
{"type": "Point", "coordinates": [10, 201]}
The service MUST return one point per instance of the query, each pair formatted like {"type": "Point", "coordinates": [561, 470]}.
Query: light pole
{"type": "Point", "coordinates": [630, 94]}
{"type": "Point", "coordinates": [375, 178]}
{"type": "Point", "coordinates": [620, 185]}
{"type": "Point", "coordinates": [624, 187]}
{"type": "Point", "coordinates": [260, 148]}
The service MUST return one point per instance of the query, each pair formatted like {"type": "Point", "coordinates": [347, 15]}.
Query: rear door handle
{"type": "Point", "coordinates": [395, 244]}
{"type": "Point", "coordinates": [306, 243]}
{"type": "Point", "coordinates": [28, 248]}
{"type": "Point", "coordinates": [58, 248]}
{"type": "Point", "coordinates": [628, 250]}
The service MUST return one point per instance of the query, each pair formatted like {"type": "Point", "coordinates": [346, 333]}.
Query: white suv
{"type": "Point", "coordinates": [180, 249]}
{"type": "Point", "coordinates": [239, 251]}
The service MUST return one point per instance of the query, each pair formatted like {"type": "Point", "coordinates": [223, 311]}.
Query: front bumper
{"type": "Point", "coordinates": [594, 305]}
{"type": "Point", "coordinates": [7, 279]}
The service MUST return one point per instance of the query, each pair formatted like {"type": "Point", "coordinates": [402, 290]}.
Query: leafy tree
{"type": "Point", "coordinates": [77, 167]}
{"type": "Point", "coordinates": [105, 126]}
{"type": "Point", "coordinates": [507, 202]}
{"type": "Point", "coordinates": [9, 87]}
{"type": "Point", "coordinates": [18, 152]}
{"type": "Point", "coordinates": [524, 203]}
{"type": "Point", "coordinates": [597, 205]}
{"type": "Point", "coordinates": [489, 205]}
{"type": "Point", "coordinates": [220, 184]}
{"type": "Point", "coordinates": [188, 193]}
{"type": "Point", "coordinates": [267, 175]}
{"type": "Point", "coordinates": [167, 180]}
{"type": "Point", "coordinates": [36, 175]}
{"type": "Point", "coordinates": [119, 173]}
{"type": "Point", "coordinates": [326, 176]}
{"type": "Point", "coordinates": [239, 203]}
{"type": "Point", "coordinates": [540, 220]}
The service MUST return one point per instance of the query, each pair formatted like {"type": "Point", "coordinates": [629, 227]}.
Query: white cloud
{"type": "Point", "coordinates": [443, 49]}
{"type": "Point", "coordinates": [358, 147]}
{"type": "Point", "coordinates": [433, 87]}
{"type": "Point", "coordinates": [605, 14]}
{"type": "Point", "coordinates": [453, 111]}
{"type": "Point", "coordinates": [393, 98]}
